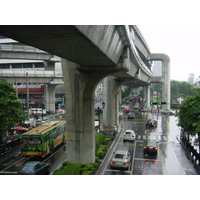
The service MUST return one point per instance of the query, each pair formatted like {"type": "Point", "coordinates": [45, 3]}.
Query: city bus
{"type": "Point", "coordinates": [42, 140]}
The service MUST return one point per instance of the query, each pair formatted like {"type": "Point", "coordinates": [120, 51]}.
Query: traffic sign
{"type": "Point", "coordinates": [155, 103]}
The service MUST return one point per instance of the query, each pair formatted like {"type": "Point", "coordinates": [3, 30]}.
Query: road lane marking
{"type": "Point", "coordinates": [166, 120]}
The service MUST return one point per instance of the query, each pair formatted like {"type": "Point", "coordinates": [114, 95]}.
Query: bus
{"type": "Point", "coordinates": [42, 140]}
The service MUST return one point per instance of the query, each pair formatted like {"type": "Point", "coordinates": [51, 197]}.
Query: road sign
{"type": "Point", "coordinates": [155, 103]}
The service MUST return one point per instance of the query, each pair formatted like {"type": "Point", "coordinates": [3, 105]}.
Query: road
{"type": "Point", "coordinates": [171, 158]}
{"type": "Point", "coordinates": [11, 162]}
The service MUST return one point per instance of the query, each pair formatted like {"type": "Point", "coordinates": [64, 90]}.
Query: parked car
{"type": "Point", "coordinates": [151, 147]}
{"type": "Point", "coordinates": [167, 112]}
{"type": "Point", "coordinates": [34, 168]}
{"type": "Point", "coordinates": [129, 135]}
{"type": "Point", "coordinates": [131, 115]}
{"type": "Point", "coordinates": [120, 159]}
{"type": "Point", "coordinates": [151, 123]}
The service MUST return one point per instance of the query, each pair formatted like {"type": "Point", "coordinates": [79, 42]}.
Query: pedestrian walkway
{"type": "Point", "coordinates": [185, 162]}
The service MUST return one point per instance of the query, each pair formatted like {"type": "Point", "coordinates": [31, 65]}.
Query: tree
{"type": "Point", "coordinates": [189, 114]}
{"type": "Point", "coordinates": [180, 89]}
{"type": "Point", "coordinates": [126, 92]}
{"type": "Point", "coordinates": [11, 111]}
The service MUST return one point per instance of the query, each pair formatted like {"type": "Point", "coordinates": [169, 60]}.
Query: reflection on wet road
{"type": "Point", "coordinates": [166, 162]}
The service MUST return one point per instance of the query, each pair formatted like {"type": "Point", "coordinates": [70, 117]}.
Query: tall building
{"type": "Point", "coordinates": [191, 78]}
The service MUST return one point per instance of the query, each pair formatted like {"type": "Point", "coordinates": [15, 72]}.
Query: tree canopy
{"type": "Point", "coordinates": [11, 111]}
{"type": "Point", "coordinates": [189, 114]}
{"type": "Point", "coordinates": [180, 89]}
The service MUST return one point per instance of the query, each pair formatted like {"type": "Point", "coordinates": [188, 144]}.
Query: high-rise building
{"type": "Point", "coordinates": [191, 78]}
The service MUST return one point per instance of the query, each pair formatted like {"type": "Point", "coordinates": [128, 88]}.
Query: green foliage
{"type": "Point", "coordinates": [68, 169]}
{"type": "Point", "coordinates": [10, 109]}
{"type": "Point", "coordinates": [189, 113]}
{"type": "Point", "coordinates": [87, 169]}
{"type": "Point", "coordinates": [180, 89]}
{"type": "Point", "coordinates": [101, 151]}
{"type": "Point", "coordinates": [99, 139]}
{"type": "Point", "coordinates": [126, 92]}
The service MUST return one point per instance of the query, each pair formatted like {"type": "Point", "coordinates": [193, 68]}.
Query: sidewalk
{"type": "Point", "coordinates": [185, 159]}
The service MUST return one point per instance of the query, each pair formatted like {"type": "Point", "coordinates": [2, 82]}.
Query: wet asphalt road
{"type": "Point", "coordinates": [171, 158]}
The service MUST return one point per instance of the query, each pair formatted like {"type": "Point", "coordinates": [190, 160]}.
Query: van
{"type": "Point", "coordinates": [38, 111]}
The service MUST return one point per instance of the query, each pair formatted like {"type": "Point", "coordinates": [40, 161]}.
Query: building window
{"type": "Point", "coordinates": [4, 66]}
{"type": "Point", "coordinates": [17, 65]}
{"type": "Point", "coordinates": [39, 65]}
{"type": "Point", "coordinates": [27, 65]}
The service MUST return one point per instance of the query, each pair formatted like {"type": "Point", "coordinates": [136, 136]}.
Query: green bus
{"type": "Point", "coordinates": [42, 140]}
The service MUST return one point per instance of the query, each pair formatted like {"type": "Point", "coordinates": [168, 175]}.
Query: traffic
{"type": "Point", "coordinates": [144, 145]}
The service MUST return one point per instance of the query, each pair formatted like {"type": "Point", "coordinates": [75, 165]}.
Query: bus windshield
{"type": "Point", "coordinates": [31, 140]}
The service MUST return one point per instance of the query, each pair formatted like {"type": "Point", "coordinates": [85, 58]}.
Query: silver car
{"type": "Point", "coordinates": [129, 135]}
{"type": "Point", "coordinates": [167, 112]}
{"type": "Point", "coordinates": [120, 159]}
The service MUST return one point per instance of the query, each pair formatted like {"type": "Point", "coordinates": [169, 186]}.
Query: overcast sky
{"type": "Point", "coordinates": [178, 36]}
{"type": "Point", "coordinates": [180, 42]}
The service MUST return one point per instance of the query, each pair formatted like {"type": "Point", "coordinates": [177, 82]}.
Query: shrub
{"type": "Point", "coordinates": [101, 151]}
{"type": "Point", "coordinates": [99, 139]}
{"type": "Point", "coordinates": [68, 168]}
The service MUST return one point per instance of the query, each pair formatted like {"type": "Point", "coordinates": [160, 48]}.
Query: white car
{"type": "Point", "coordinates": [129, 135]}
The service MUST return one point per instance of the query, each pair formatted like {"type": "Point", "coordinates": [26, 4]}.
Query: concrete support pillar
{"type": "Point", "coordinates": [80, 114]}
{"type": "Point", "coordinates": [79, 89]}
{"type": "Point", "coordinates": [111, 94]}
{"type": "Point", "coordinates": [144, 96]}
{"type": "Point", "coordinates": [50, 96]}
{"type": "Point", "coordinates": [120, 95]}
{"type": "Point", "coordinates": [147, 96]}
{"type": "Point", "coordinates": [166, 84]}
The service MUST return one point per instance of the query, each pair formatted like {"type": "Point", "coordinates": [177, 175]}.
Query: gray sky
{"type": "Point", "coordinates": [180, 42]}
